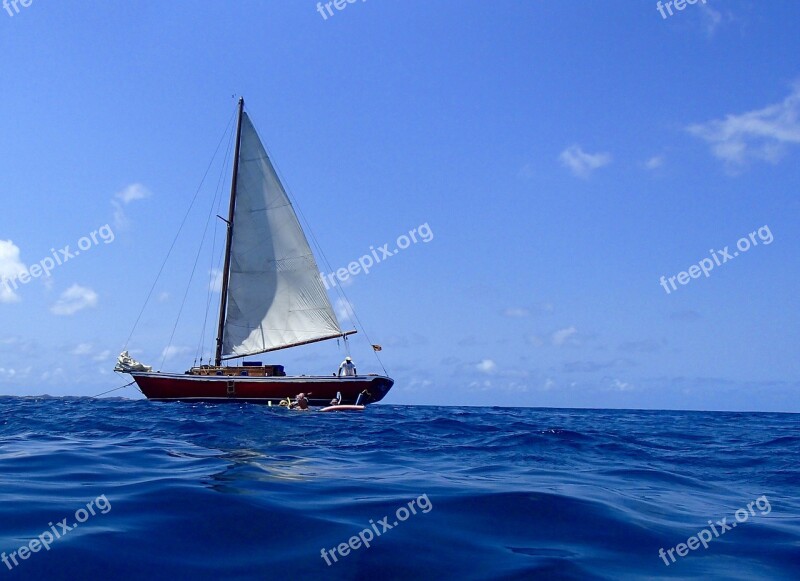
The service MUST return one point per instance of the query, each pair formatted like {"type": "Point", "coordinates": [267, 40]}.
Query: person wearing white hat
{"type": "Point", "coordinates": [347, 368]}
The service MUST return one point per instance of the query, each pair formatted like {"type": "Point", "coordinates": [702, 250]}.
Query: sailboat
{"type": "Point", "coordinates": [272, 298]}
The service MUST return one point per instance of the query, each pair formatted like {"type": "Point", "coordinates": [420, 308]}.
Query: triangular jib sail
{"type": "Point", "coordinates": [275, 296]}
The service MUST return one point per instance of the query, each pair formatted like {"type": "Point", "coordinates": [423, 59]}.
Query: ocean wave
{"type": "Point", "coordinates": [244, 491]}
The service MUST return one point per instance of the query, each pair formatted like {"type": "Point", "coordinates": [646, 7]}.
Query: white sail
{"type": "Point", "coordinates": [275, 296]}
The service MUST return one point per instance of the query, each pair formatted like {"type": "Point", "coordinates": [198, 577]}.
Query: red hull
{"type": "Point", "coordinates": [175, 387]}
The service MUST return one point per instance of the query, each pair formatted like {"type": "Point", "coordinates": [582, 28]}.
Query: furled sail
{"type": "Point", "coordinates": [276, 298]}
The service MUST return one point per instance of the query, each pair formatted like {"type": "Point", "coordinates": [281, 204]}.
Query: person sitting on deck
{"type": "Point", "coordinates": [347, 368]}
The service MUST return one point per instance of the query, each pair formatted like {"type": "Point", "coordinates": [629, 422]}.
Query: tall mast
{"type": "Point", "coordinates": [223, 303]}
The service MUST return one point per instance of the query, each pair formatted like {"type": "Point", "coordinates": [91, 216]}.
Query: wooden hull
{"type": "Point", "coordinates": [319, 389]}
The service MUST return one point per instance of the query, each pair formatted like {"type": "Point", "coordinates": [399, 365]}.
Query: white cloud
{"type": "Point", "coordinates": [133, 192]}
{"type": "Point", "coordinates": [8, 373]}
{"type": "Point", "coordinates": [561, 336]}
{"type": "Point", "coordinates": [486, 366]}
{"type": "Point", "coordinates": [713, 18]}
{"type": "Point", "coordinates": [52, 375]}
{"type": "Point", "coordinates": [10, 268]}
{"type": "Point", "coordinates": [532, 309]}
{"type": "Point", "coordinates": [130, 194]}
{"type": "Point", "coordinates": [582, 164]}
{"type": "Point", "coordinates": [163, 297]}
{"type": "Point", "coordinates": [516, 312]}
{"type": "Point", "coordinates": [417, 384]}
{"type": "Point", "coordinates": [74, 299]}
{"type": "Point", "coordinates": [344, 310]}
{"type": "Point", "coordinates": [763, 134]}
{"type": "Point", "coordinates": [121, 221]}
{"type": "Point", "coordinates": [216, 280]}
{"type": "Point", "coordinates": [527, 172]}
{"type": "Point", "coordinates": [102, 356]}
{"type": "Point", "coordinates": [621, 385]}
{"type": "Point", "coordinates": [15, 375]}
{"type": "Point", "coordinates": [174, 351]}
{"type": "Point", "coordinates": [535, 340]}
{"type": "Point", "coordinates": [82, 349]}
{"type": "Point", "coordinates": [484, 385]}
{"type": "Point", "coordinates": [513, 386]}
{"type": "Point", "coordinates": [654, 162]}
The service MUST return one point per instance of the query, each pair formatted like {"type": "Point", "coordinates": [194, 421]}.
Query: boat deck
{"type": "Point", "coordinates": [236, 371]}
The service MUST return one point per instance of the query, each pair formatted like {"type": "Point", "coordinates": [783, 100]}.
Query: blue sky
{"type": "Point", "coordinates": [565, 156]}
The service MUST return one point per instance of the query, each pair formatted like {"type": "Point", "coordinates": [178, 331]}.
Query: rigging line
{"type": "Point", "coordinates": [220, 260]}
{"type": "Point", "coordinates": [217, 198]}
{"type": "Point", "coordinates": [221, 257]}
{"type": "Point", "coordinates": [189, 284]}
{"type": "Point", "coordinates": [201, 342]}
{"type": "Point", "coordinates": [115, 389]}
{"type": "Point", "coordinates": [175, 240]}
{"type": "Point", "coordinates": [185, 295]}
{"type": "Point", "coordinates": [214, 267]}
{"type": "Point", "coordinates": [349, 306]}
{"type": "Point", "coordinates": [350, 310]}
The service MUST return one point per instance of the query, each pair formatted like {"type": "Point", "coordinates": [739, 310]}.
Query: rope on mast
{"type": "Point", "coordinates": [175, 239]}
{"type": "Point", "coordinates": [210, 292]}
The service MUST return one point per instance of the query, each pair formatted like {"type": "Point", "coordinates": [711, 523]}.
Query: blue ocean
{"type": "Point", "coordinates": [130, 489]}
